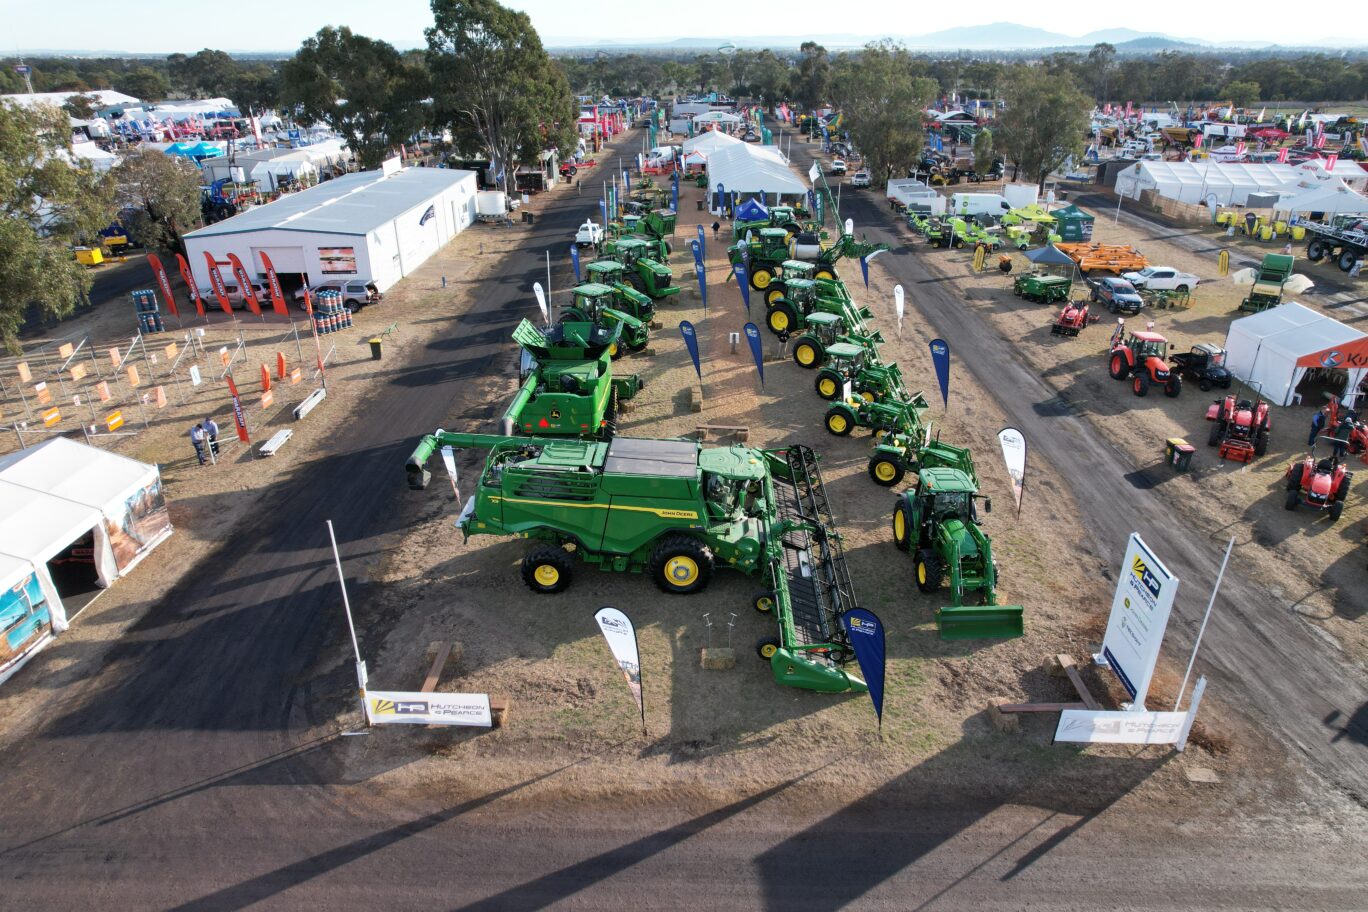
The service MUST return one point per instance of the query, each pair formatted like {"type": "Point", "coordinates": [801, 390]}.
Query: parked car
{"type": "Point", "coordinates": [356, 293]}
{"type": "Point", "coordinates": [1161, 278]}
{"type": "Point", "coordinates": [589, 234]}
{"type": "Point", "coordinates": [861, 178]}
{"type": "Point", "coordinates": [1118, 294]}
{"type": "Point", "coordinates": [236, 298]}
{"type": "Point", "coordinates": [838, 166]}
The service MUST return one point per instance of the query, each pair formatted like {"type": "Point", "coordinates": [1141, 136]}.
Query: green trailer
{"type": "Point", "coordinates": [1046, 289]}
{"type": "Point", "coordinates": [676, 511]}
{"type": "Point", "coordinates": [937, 522]}
{"type": "Point", "coordinates": [568, 387]}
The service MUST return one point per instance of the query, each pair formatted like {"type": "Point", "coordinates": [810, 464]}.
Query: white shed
{"type": "Point", "coordinates": [369, 225]}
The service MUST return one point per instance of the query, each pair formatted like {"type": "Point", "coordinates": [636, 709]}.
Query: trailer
{"type": "Point", "coordinates": [1344, 241]}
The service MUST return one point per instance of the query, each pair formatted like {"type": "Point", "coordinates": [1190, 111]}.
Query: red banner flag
{"type": "Point", "coordinates": [189, 278]}
{"type": "Point", "coordinates": [216, 282]}
{"type": "Point", "coordinates": [1282, 156]}
{"type": "Point", "coordinates": [1330, 161]}
{"type": "Point", "coordinates": [239, 416]}
{"type": "Point", "coordinates": [265, 379]}
{"type": "Point", "coordinates": [273, 284]}
{"type": "Point", "coordinates": [245, 285]}
{"type": "Point", "coordinates": [160, 272]}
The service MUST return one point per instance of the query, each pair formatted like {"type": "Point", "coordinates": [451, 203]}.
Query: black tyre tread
{"type": "Point", "coordinates": [675, 544]}
{"type": "Point", "coordinates": [547, 553]}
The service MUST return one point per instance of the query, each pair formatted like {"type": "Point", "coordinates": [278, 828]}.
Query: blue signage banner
{"type": "Point", "coordinates": [940, 358]}
{"type": "Point", "coordinates": [866, 634]}
{"type": "Point", "coordinates": [686, 329]}
{"type": "Point", "coordinates": [757, 349]}
{"type": "Point", "coordinates": [574, 260]}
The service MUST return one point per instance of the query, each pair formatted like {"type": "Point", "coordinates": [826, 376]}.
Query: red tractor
{"type": "Point", "coordinates": [1321, 485]}
{"type": "Point", "coordinates": [1240, 428]}
{"type": "Point", "coordinates": [1072, 319]}
{"type": "Point", "coordinates": [1142, 358]}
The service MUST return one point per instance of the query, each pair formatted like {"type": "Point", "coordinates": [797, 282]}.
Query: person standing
{"type": "Point", "coordinates": [1317, 422]}
{"type": "Point", "coordinates": [716, 226]}
{"type": "Point", "coordinates": [1343, 431]}
{"type": "Point", "coordinates": [211, 432]}
{"type": "Point", "coordinates": [197, 439]}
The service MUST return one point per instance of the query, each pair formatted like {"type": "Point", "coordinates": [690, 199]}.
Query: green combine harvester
{"type": "Point", "coordinates": [613, 305]}
{"type": "Point", "coordinates": [937, 522]}
{"type": "Point", "coordinates": [645, 272]}
{"type": "Point", "coordinates": [568, 384]}
{"type": "Point", "coordinates": [676, 511]}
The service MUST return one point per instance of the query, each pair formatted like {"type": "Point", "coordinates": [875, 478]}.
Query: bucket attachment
{"type": "Point", "coordinates": [974, 622]}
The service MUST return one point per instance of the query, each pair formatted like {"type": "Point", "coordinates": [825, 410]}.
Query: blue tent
{"type": "Point", "coordinates": [752, 210]}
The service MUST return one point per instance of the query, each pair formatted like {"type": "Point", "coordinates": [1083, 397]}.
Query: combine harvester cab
{"type": "Point", "coordinates": [568, 384]}
{"type": "Point", "coordinates": [674, 510]}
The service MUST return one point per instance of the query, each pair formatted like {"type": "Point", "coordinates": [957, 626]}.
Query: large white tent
{"type": "Point", "coordinates": [1331, 199]}
{"type": "Point", "coordinates": [710, 141]}
{"type": "Point", "coordinates": [748, 169]}
{"type": "Point", "coordinates": [1227, 184]}
{"type": "Point", "coordinates": [1272, 351]}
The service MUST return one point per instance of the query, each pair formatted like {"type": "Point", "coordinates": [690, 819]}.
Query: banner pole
{"type": "Point", "coordinates": [1206, 617]}
{"type": "Point", "coordinates": [351, 627]}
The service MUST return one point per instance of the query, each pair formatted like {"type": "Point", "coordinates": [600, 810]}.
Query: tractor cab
{"type": "Point", "coordinates": [796, 269]}
{"type": "Point", "coordinates": [631, 249]}
{"type": "Point", "coordinates": [801, 294]}
{"type": "Point", "coordinates": [825, 328]}
{"type": "Point", "coordinates": [606, 272]}
{"type": "Point", "coordinates": [591, 299]}
{"type": "Point", "coordinates": [847, 358]}
{"type": "Point", "coordinates": [773, 243]}
{"type": "Point", "coordinates": [1147, 345]}
{"type": "Point", "coordinates": [945, 494]}
{"type": "Point", "coordinates": [1142, 358]}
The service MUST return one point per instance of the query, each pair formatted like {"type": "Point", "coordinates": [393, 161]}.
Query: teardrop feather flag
{"type": "Point", "coordinates": [757, 349]}
{"type": "Point", "coordinates": [686, 329]}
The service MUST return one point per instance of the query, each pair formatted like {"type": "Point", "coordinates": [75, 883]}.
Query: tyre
{"type": "Point", "coordinates": [1173, 386]}
{"type": "Point", "coordinates": [829, 385]}
{"type": "Point", "coordinates": [760, 277]}
{"type": "Point", "coordinates": [808, 353]}
{"type": "Point", "coordinates": [1118, 367]}
{"type": "Point", "coordinates": [886, 470]}
{"type": "Point", "coordinates": [1294, 477]}
{"type": "Point", "coordinates": [1315, 251]}
{"type": "Point", "coordinates": [766, 647]}
{"type": "Point", "coordinates": [637, 282]}
{"type": "Point", "coordinates": [1348, 260]}
{"type": "Point", "coordinates": [827, 274]}
{"type": "Point", "coordinates": [1112, 308]}
{"type": "Point", "coordinates": [546, 569]}
{"type": "Point", "coordinates": [1336, 509]}
{"type": "Point", "coordinates": [1261, 443]}
{"type": "Point", "coordinates": [1204, 384]}
{"type": "Point", "coordinates": [1343, 491]}
{"type": "Point", "coordinates": [1140, 385]}
{"type": "Point", "coordinates": [902, 525]}
{"type": "Point", "coordinates": [774, 293]}
{"type": "Point", "coordinates": [680, 565]}
{"type": "Point", "coordinates": [929, 570]}
{"type": "Point", "coordinates": [1292, 497]}
{"type": "Point", "coordinates": [1181, 289]}
{"type": "Point", "coordinates": [1215, 436]}
{"type": "Point", "coordinates": [763, 601]}
{"type": "Point", "coordinates": [839, 420]}
{"type": "Point", "coordinates": [781, 318]}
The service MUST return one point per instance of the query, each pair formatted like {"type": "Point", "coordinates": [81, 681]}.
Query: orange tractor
{"type": "Point", "coordinates": [1321, 485]}
{"type": "Point", "coordinates": [1072, 319]}
{"type": "Point", "coordinates": [1142, 358]}
{"type": "Point", "coordinates": [1240, 428]}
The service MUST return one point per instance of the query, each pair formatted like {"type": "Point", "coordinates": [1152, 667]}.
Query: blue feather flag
{"type": "Point", "coordinates": [686, 329]}
{"type": "Point", "coordinates": [757, 349]}
{"type": "Point", "coordinates": [574, 260]}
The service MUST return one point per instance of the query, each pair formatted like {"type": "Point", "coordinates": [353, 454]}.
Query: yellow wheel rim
{"type": "Point", "coordinates": [805, 354]}
{"type": "Point", "coordinates": [824, 274]}
{"type": "Point", "coordinates": [546, 575]}
{"type": "Point", "coordinates": [764, 603]}
{"type": "Point", "coordinates": [921, 573]}
{"type": "Point", "coordinates": [612, 349]}
{"type": "Point", "coordinates": [768, 650]}
{"type": "Point", "coordinates": [827, 386]}
{"type": "Point", "coordinates": [778, 320]}
{"type": "Point", "coordinates": [899, 526]}
{"type": "Point", "coordinates": [884, 471]}
{"type": "Point", "coordinates": [681, 570]}
{"type": "Point", "coordinates": [868, 396]}
{"type": "Point", "coordinates": [773, 295]}
{"type": "Point", "coordinates": [837, 423]}
{"type": "Point", "coordinates": [761, 279]}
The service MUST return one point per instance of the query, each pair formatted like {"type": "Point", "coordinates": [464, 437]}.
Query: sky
{"type": "Point", "coordinates": [164, 26]}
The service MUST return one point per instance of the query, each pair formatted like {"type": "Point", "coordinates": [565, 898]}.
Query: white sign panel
{"type": "Point", "coordinates": [1014, 456]}
{"type": "Point", "coordinates": [392, 707]}
{"type": "Point", "coordinates": [1119, 727]}
{"type": "Point", "coordinates": [1139, 616]}
{"type": "Point", "coordinates": [622, 642]}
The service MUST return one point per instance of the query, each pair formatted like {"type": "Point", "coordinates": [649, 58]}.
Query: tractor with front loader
{"type": "Point", "coordinates": [606, 306]}
{"type": "Point", "coordinates": [804, 298]}
{"type": "Point", "coordinates": [568, 387]}
{"type": "Point", "coordinates": [1142, 358]}
{"type": "Point", "coordinates": [855, 370]}
{"type": "Point", "coordinates": [822, 331]}
{"type": "Point", "coordinates": [937, 523]}
{"type": "Point", "coordinates": [644, 272]}
{"type": "Point", "coordinates": [676, 511]}
{"type": "Point", "coordinates": [791, 219]}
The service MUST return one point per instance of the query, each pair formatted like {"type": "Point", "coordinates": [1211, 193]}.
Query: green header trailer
{"type": "Point", "coordinates": [675, 510]}
{"type": "Point", "coordinates": [568, 384]}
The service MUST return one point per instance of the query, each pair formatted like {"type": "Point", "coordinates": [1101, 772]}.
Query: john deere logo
{"type": "Point", "coordinates": [1143, 574]}
{"type": "Point", "coordinates": [555, 413]}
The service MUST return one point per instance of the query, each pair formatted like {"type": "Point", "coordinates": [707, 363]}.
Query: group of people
{"type": "Point", "coordinates": [1341, 433]}
{"type": "Point", "coordinates": [204, 436]}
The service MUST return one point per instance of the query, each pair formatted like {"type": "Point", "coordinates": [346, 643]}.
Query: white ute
{"type": "Point", "coordinates": [590, 234]}
{"type": "Point", "coordinates": [1162, 278]}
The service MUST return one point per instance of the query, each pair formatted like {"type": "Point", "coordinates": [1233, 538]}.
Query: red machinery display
{"type": "Point", "coordinates": [1240, 427]}
{"type": "Point", "coordinates": [1142, 358]}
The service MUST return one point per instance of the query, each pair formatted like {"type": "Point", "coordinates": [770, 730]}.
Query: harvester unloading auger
{"type": "Point", "coordinates": [675, 510]}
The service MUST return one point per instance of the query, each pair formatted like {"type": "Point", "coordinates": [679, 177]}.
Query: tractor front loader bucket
{"type": "Point", "coordinates": [974, 622]}
{"type": "Point", "coordinates": [811, 580]}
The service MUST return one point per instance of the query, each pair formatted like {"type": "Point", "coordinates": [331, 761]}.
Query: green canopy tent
{"type": "Point", "coordinates": [1073, 224]}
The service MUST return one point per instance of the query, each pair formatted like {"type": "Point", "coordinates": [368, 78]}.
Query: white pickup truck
{"type": "Point", "coordinates": [1162, 278]}
{"type": "Point", "coordinates": [590, 234]}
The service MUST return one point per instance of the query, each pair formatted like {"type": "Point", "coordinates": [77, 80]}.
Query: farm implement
{"type": "Point", "coordinates": [765, 254]}
{"type": "Point", "coordinates": [1045, 289]}
{"type": "Point", "coordinates": [1111, 258]}
{"type": "Point", "coordinates": [613, 305]}
{"type": "Point", "coordinates": [568, 384]}
{"type": "Point", "coordinates": [1319, 484]}
{"type": "Point", "coordinates": [676, 511]}
{"type": "Point", "coordinates": [1240, 427]}
{"type": "Point", "coordinates": [644, 272]}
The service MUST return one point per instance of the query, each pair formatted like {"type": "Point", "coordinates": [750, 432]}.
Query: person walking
{"type": "Point", "coordinates": [716, 227]}
{"type": "Point", "coordinates": [1317, 422]}
{"type": "Point", "coordinates": [197, 438]}
{"type": "Point", "coordinates": [211, 432]}
{"type": "Point", "coordinates": [1343, 431]}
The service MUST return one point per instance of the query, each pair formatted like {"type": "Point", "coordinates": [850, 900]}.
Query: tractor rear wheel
{"type": "Point", "coordinates": [1173, 387]}
{"type": "Point", "coordinates": [1215, 436]}
{"type": "Point", "coordinates": [760, 277]}
{"type": "Point", "coordinates": [829, 384]}
{"type": "Point", "coordinates": [829, 276]}
{"type": "Point", "coordinates": [1294, 476]}
{"type": "Point", "coordinates": [766, 647]}
{"type": "Point", "coordinates": [774, 293]}
{"type": "Point", "coordinates": [929, 570]}
{"type": "Point", "coordinates": [1293, 496]}
{"type": "Point", "coordinates": [1261, 443]}
{"type": "Point", "coordinates": [1315, 251]}
{"type": "Point", "coordinates": [1140, 385]}
{"type": "Point", "coordinates": [781, 319]}
{"type": "Point", "coordinates": [546, 569]}
{"type": "Point", "coordinates": [886, 470]}
{"type": "Point", "coordinates": [1343, 490]}
{"type": "Point", "coordinates": [840, 420]}
{"type": "Point", "coordinates": [1347, 261]}
{"type": "Point", "coordinates": [902, 525]}
{"type": "Point", "coordinates": [1117, 366]}
{"type": "Point", "coordinates": [1336, 509]}
{"type": "Point", "coordinates": [807, 352]}
{"type": "Point", "coordinates": [763, 601]}
{"type": "Point", "coordinates": [681, 565]}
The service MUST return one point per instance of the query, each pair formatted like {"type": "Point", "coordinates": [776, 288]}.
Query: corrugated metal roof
{"type": "Point", "coordinates": [352, 204]}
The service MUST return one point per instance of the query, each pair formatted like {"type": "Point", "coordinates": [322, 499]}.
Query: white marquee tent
{"type": "Point", "coordinates": [710, 141]}
{"type": "Point", "coordinates": [1228, 184]}
{"type": "Point", "coordinates": [1272, 351]}
{"type": "Point", "coordinates": [748, 169]}
{"type": "Point", "coordinates": [1332, 199]}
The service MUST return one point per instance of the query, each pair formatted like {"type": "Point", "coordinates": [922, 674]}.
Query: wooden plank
{"type": "Point", "coordinates": [435, 672]}
{"type": "Point", "coordinates": [1077, 680]}
{"type": "Point", "coordinates": [1039, 707]}
{"type": "Point", "coordinates": [498, 710]}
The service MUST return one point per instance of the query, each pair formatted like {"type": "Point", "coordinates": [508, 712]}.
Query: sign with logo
{"type": "Point", "coordinates": [940, 359]}
{"type": "Point", "coordinates": [1353, 354]}
{"type": "Point", "coordinates": [866, 634]}
{"type": "Point", "coordinates": [114, 421]}
{"type": "Point", "coordinates": [392, 707]}
{"type": "Point", "coordinates": [51, 417]}
{"type": "Point", "coordinates": [617, 629]}
{"type": "Point", "coordinates": [195, 378]}
{"type": "Point", "coordinates": [757, 349]}
{"type": "Point", "coordinates": [1119, 727]}
{"type": "Point", "coordinates": [163, 282]}
{"type": "Point", "coordinates": [1013, 444]}
{"type": "Point", "coordinates": [1139, 616]}
{"type": "Point", "coordinates": [239, 416]}
{"type": "Point", "coordinates": [686, 329]}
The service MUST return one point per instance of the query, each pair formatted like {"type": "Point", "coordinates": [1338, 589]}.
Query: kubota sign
{"type": "Point", "coordinates": [1349, 355]}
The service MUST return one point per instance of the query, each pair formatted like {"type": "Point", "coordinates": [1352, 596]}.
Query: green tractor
{"type": "Point", "coordinates": [822, 330]}
{"type": "Point", "coordinates": [792, 219]}
{"type": "Point", "coordinates": [855, 370]}
{"type": "Point", "coordinates": [605, 305]}
{"type": "Point", "coordinates": [653, 224]}
{"type": "Point", "coordinates": [676, 511]}
{"type": "Point", "coordinates": [644, 273]}
{"type": "Point", "coordinates": [626, 298]}
{"type": "Point", "coordinates": [568, 385]}
{"type": "Point", "coordinates": [900, 416]}
{"type": "Point", "coordinates": [765, 253]}
{"type": "Point", "coordinates": [804, 299]}
{"type": "Point", "coordinates": [937, 522]}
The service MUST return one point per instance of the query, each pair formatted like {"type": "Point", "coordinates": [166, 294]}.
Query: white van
{"type": "Point", "coordinates": [973, 204]}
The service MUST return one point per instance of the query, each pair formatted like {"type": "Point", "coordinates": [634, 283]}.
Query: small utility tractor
{"type": "Point", "coordinates": [1046, 289]}
{"type": "Point", "coordinates": [644, 273]}
{"type": "Point", "coordinates": [568, 385]}
{"type": "Point", "coordinates": [788, 270]}
{"type": "Point", "coordinates": [1240, 427]}
{"type": "Point", "coordinates": [1140, 357]}
{"type": "Point", "coordinates": [1205, 364]}
{"type": "Point", "coordinates": [824, 330]}
{"type": "Point", "coordinates": [1319, 484]}
{"type": "Point", "coordinates": [676, 511]}
{"type": "Point", "coordinates": [605, 306]}
{"type": "Point", "coordinates": [1073, 319]}
{"type": "Point", "coordinates": [937, 522]}
{"type": "Point", "coordinates": [946, 233]}
{"type": "Point", "coordinates": [860, 368]}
